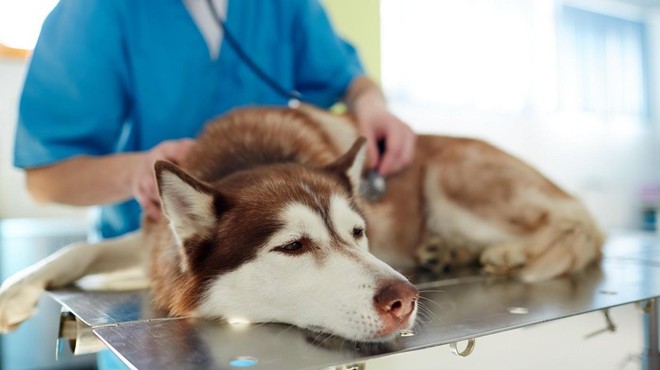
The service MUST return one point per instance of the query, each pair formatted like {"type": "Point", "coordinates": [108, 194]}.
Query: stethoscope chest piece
{"type": "Point", "coordinates": [373, 186]}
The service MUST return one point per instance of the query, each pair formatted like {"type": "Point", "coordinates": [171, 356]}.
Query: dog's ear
{"type": "Point", "coordinates": [351, 163]}
{"type": "Point", "coordinates": [189, 204]}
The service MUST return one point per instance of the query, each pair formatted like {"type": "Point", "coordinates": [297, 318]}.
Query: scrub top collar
{"type": "Point", "coordinates": [207, 25]}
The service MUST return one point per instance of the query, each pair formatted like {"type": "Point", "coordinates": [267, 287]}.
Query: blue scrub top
{"type": "Point", "coordinates": [111, 76]}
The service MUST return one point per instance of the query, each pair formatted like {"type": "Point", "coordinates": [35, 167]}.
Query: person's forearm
{"type": "Point", "coordinates": [84, 180]}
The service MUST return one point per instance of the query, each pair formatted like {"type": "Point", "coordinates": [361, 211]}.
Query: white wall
{"type": "Point", "coordinates": [14, 200]}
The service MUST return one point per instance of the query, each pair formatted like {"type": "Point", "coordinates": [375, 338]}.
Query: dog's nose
{"type": "Point", "coordinates": [396, 298]}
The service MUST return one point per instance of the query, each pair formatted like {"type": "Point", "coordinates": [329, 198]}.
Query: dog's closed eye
{"type": "Point", "coordinates": [295, 247]}
{"type": "Point", "coordinates": [358, 232]}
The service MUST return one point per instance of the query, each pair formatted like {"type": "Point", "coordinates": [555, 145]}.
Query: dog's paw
{"type": "Point", "coordinates": [430, 255]}
{"type": "Point", "coordinates": [504, 259]}
{"type": "Point", "coordinates": [438, 256]}
{"type": "Point", "coordinates": [435, 255]}
{"type": "Point", "coordinates": [18, 302]}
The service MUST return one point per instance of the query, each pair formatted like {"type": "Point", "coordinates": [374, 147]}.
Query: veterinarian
{"type": "Point", "coordinates": [115, 85]}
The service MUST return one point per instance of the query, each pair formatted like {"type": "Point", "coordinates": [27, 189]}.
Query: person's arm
{"type": "Point", "coordinates": [87, 180]}
{"type": "Point", "coordinates": [84, 180]}
{"type": "Point", "coordinates": [366, 101]}
{"type": "Point", "coordinates": [74, 105]}
{"type": "Point", "coordinates": [329, 69]}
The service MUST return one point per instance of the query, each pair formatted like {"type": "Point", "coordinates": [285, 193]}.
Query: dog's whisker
{"type": "Point", "coordinates": [423, 305]}
{"type": "Point", "coordinates": [258, 324]}
{"type": "Point", "coordinates": [409, 277]}
{"type": "Point", "coordinates": [327, 338]}
{"type": "Point", "coordinates": [422, 318]}
{"type": "Point", "coordinates": [423, 310]}
{"type": "Point", "coordinates": [433, 291]}
{"type": "Point", "coordinates": [417, 327]}
{"type": "Point", "coordinates": [431, 316]}
{"type": "Point", "coordinates": [426, 315]}
{"type": "Point", "coordinates": [428, 300]}
{"type": "Point", "coordinates": [285, 330]}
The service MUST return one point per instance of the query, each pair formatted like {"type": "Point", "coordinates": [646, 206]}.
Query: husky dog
{"type": "Point", "coordinates": [264, 222]}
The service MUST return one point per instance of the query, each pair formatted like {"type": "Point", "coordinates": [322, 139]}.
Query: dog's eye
{"type": "Point", "coordinates": [358, 232]}
{"type": "Point", "coordinates": [292, 246]}
{"type": "Point", "coordinates": [295, 247]}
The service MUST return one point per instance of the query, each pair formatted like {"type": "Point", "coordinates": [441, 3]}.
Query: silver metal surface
{"type": "Point", "coordinates": [452, 310]}
{"type": "Point", "coordinates": [77, 336]}
{"type": "Point", "coordinates": [97, 308]}
{"type": "Point", "coordinates": [651, 355]}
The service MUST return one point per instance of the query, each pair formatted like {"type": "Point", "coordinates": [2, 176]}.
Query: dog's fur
{"type": "Point", "coordinates": [264, 223]}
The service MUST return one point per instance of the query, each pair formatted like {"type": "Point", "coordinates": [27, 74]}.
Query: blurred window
{"type": "Point", "coordinates": [512, 58]}
{"type": "Point", "coordinates": [602, 64]}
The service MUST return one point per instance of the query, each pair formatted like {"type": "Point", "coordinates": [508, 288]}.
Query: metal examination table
{"type": "Point", "coordinates": [461, 308]}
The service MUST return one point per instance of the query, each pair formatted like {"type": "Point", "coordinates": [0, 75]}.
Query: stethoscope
{"type": "Point", "coordinates": [374, 187]}
{"type": "Point", "coordinates": [294, 97]}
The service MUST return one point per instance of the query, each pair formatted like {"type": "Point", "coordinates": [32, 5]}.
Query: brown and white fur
{"type": "Point", "coordinates": [264, 223]}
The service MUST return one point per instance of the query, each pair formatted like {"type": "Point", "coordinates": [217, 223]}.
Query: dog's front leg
{"type": "Point", "coordinates": [19, 294]}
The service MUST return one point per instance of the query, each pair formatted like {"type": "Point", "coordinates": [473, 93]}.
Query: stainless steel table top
{"type": "Point", "coordinates": [451, 310]}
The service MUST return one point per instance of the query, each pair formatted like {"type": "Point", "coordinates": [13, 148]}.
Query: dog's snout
{"type": "Point", "coordinates": [396, 299]}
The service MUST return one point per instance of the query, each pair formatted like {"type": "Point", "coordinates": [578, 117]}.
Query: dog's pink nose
{"type": "Point", "coordinates": [395, 301]}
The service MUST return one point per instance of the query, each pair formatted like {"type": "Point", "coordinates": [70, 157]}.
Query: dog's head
{"type": "Point", "coordinates": [286, 243]}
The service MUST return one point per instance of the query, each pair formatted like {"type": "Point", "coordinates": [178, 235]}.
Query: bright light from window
{"type": "Point", "coordinates": [20, 21]}
{"type": "Point", "coordinates": [467, 54]}
{"type": "Point", "coordinates": [503, 57]}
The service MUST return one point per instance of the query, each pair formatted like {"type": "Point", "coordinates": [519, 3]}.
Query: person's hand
{"type": "Point", "coordinates": [366, 101]}
{"type": "Point", "coordinates": [144, 182]}
{"type": "Point", "coordinates": [399, 139]}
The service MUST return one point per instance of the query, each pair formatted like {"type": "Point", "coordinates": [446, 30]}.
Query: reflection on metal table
{"type": "Point", "coordinates": [454, 309]}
